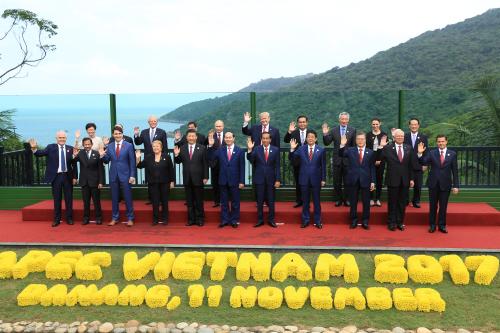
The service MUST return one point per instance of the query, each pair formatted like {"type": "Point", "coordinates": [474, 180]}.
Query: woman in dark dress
{"type": "Point", "coordinates": [373, 138]}
{"type": "Point", "coordinates": [160, 175]}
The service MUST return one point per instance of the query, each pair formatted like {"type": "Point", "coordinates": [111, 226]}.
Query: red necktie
{"type": "Point", "coordinates": [229, 153]}
{"type": "Point", "coordinates": [360, 156]}
{"type": "Point", "coordinates": [400, 154]}
{"type": "Point", "coordinates": [218, 138]}
{"type": "Point", "coordinates": [117, 150]}
{"type": "Point", "coordinates": [190, 151]}
{"type": "Point", "coordinates": [310, 154]}
{"type": "Point", "coordinates": [266, 155]}
{"type": "Point", "coordinates": [442, 157]}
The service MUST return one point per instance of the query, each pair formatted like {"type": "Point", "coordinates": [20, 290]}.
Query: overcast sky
{"type": "Point", "coordinates": [126, 46]}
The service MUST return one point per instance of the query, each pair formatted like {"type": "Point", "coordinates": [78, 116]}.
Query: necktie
{"type": "Point", "coordinates": [400, 154]}
{"type": "Point", "coordinates": [442, 157]}
{"type": "Point", "coordinates": [413, 139]}
{"type": "Point", "coordinates": [229, 153]}
{"type": "Point", "coordinates": [360, 156]}
{"type": "Point", "coordinates": [218, 138]}
{"type": "Point", "coordinates": [342, 129]}
{"type": "Point", "coordinates": [117, 150]}
{"type": "Point", "coordinates": [190, 151]}
{"type": "Point", "coordinates": [310, 153]}
{"type": "Point", "coordinates": [266, 154]}
{"type": "Point", "coordinates": [88, 155]}
{"type": "Point", "coordinates": [63, 160]}
{"type": "Point", "coordinates": [264, 129]}
{"type": "Point", "coordinates": [302, 137]}
{"type": "Point", "coordinates": [152, 135]}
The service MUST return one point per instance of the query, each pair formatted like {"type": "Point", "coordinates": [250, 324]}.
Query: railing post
{"type": "Point", "coordinates": [29, 174]}
{"type": "Point", "coordinates": [401, 108]}
{"type": "Point", "coordinates": [253, 107]}
{"type": "Point", "coordinates": [1, 165]}
{"type": "Point", "coordinates": [112, 110]}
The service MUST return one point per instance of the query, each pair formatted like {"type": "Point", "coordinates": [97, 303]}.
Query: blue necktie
{"type": "Point", "coordinates": [343, 130]}
{"type": "Point", "coordinates": [63, 160]}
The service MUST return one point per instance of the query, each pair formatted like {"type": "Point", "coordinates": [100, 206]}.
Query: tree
{"type": "Point", "coordinates": [8, 137]}
{"type": "Point", "coordinates": [489, 89]}
{"type": "Point", "coordinates": [30, 33]}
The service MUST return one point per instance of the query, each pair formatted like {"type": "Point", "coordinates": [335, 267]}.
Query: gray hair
{"type": "Point", "coordinates": [344, 114]}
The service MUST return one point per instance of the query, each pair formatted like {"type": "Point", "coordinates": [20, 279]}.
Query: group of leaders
{"type": "Point", "coordinates": [359, 162]}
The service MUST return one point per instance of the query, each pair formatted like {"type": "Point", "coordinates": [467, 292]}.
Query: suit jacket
{"type": "Point", "coordinates": [52, 156]}
{"type": "Point", "coordinates": [420, 138]}
{"type": "Point", "coordinates": [255, 132]}
{"type": "Point", "coordinates": [91, 170]}
{"type": "Point", "coordinates": [144, 138]}
{"type": "Point", "coordinates": [161, 172]}
{"type": "Point", "coordinates": [294, 135]}
{"type": "Point", "coordinates": [265, 171]}
{"type": "Point", "coordinates": [398, 172]}
{"type": "Point", "coordinates": [231, 172]}
{"type": "Point", "coordinates": [196, 168]}
{"type": "Point", "coordinates": [364, 172]}
{"type": "Point", "coordinates": [334, 136]}
{"type": "Point", "coordinates": [370, 138]}
{"type": "Point", "coordinates": [312, 172]}
{"type": "Point", "coordinates": [446, 176]}
{"type": "Point", "coordinates": [122, 167]}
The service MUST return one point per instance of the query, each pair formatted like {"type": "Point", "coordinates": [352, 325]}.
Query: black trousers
{"type": "Point", "coordinates": [298, 191]}
{"type": "Point", "coordinates": [265, 191]}
{"type": "Point", "coordinates": [194, 199]}
{"type": "Point", "coordinates": [438, 197]}
{"type": "Point", "coordinates": [158, 192]}
{"type": "Point", "coordinates": [417, 188]}
{"type": "Point", "coordinates": [214, 174]}
{"type": "Point", "coordinates": [59, 185]}
{"type": "Point", "coordinates": [354, 192]}
{"type": "Point", "coordinates": [94, 193]}
{"type": "Point", "coordinates": [339, 172]}
{"type": "Point", "coordinates": [396, 204]}
{"type": "Point", "coordinates": [379, 174]}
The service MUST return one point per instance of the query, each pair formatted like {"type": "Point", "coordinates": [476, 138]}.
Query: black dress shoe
{"type": "Point", "coordinates": [273, 224]}
{"type": "Point", "coordinates": [234, 225]}
{"type": "Point", "coordinates": [98, 222]}
{"type": "Point", "coordinates": [304, 224]}
{"type": "Point", "coordinates": [190, 223]}
{"type": "Point", "coordinates": [298, 204]}
{"type": "Point", "coordinates": [318, 225]}
{"type": "Point", "coordinates": [164, 222]}
{"type": "Point", "coordinates": [416, 204]}
{"type": "Point", "coordinates": [443, 230]}
{"type": "Point", "coordinates": [70, 222]}
{"type": "Point", "coordinates": [216, 204]}
{"type": "Point", "coordinates": [259, 224]}
{"type": "Point", "coordinates": [347, 204]}
{"type": "Point", "coordinates": [85, 222]}
{"type": "Point", "coordinates": [401, 227]}
{"type": "Point", "coordinates": [432, 228]}
{"type": "Point", "coordinates": [391, 227]}
{"type": "Point", "coordinates": [201, 224]}
{"type": "Point", "coordinates": [56, 223]}
{"type": "Point", "coordinates": [155, 222]}
{"type": "Point", "coordinates": [353, 225]}
{"type": "Point", "coordinates": [338, 203]}
{"type": "Point", "coordinates": [222, 225]}
{"type": "Point", "coordinates": [365, 226]}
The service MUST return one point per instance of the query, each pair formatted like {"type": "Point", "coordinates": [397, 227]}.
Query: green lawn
{"type": "Point", "coordinates": [472, 306]}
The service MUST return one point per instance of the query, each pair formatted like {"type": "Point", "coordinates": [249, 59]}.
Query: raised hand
{"type": "Point", "coordinates": [33, 144]}
{"type": "Point", "coordinates": [177, 135]}
{"type": "Point", "coordinates": [343, 140]}
{"type": "Point", "coordinates": [392, 131]}
{"type": "Point", "coordinates": [177, 150]}
{"type": "Point", "coordinates": [325, 128]}
{"type": "Point", "coordinates": [102, 152]}
{"type": "Point", "coordinates": [105, 140]}
{"type": "Point", "coordinates": [421, 148]}
{"type": "Point", "coordinates": [250, 143]}
{"type": "Point", "coordinates": [246, 117]}
{"type": "Point", "coordinates": [210, 138]}
{"type": "Point", "coordinates": [383, 141]}
{"type": "Point", "coordinates": [75, 151]}
{"type": "Point", "coordinates": [293, 144]}
{"type": "Point", "coordinates": [291, 127]}
{"type": "Point", "coordinates": [77, 134]}
{"type": "Point", "coordinates": [136, 130]}
{"type": "Point", "coordinates": [138, 154]}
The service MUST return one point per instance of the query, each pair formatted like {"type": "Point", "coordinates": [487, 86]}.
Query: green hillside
{"type": "Point", "coordinates": [438, 68]}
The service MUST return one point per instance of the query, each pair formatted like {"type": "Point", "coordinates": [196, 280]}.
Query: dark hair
{"type": "Point", "coordinates": [302, 116]}
{"type": "Point", "coordinates": [118, 128]}
{"type": "Point", "coordinates": [193, 123]}
{"type": "Point", "coordinates": [441, 136]}
{"type": "Point", "coordinates": [86, 139]}
{"type": "Point", "coordinates": [191, 131]}
{"type": "Point", "coordinates": [311, 131]}
{"type": "Point", "coordinates": [414, 118]}
{"type": "Point", "coordinates": [270, 136]}
{"type": "Point", "coordinates": [361, 133]}
{"type": "Point", "coordinates": [377, 119]}
{"type": "Point", "coordinates": [89, 125]}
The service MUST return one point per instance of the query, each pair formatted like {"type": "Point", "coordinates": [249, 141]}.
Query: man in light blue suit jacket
{"type": "Point", "coordinates": [122, 172]}
{"type": "Point", "coordinates": [312, 161]}
{"type": "Point", "coordinates": [265, 159]}
{"type": "Point", "coordinates": [231, 161]}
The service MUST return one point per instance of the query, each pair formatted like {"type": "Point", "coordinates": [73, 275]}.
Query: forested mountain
{"type": "Point", "coordinates": [437, 70]}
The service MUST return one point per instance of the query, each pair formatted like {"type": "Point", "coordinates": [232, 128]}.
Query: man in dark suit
{"type": "Point", "coordinates": [413, 139]}
{"type": "Point", "coordinates": [218, 136]}
{"type": "Point", "coordinates": [193, 157]}
{"type": "Point", "coordinates": [60, 173]}
{"type": "Point", "coordinates": [148, 135]}
{"type": "Point", "coordinates": [192, 125]}
{"type": "Point", "coordinates": [335, 135]}
{"type": "Point", "coordinates": [122, 174]}
{"type": "Point", "coordinates": [255, 131]}
{"type": "Point", "coordinates": [443, 178]}
{"type": "Point", "coordinates": [231, 161]}
{"type": "Point", "coordinates": [312, 178]}
{"type": "Point", "coordinates": [265, 159]}
{"type": "Point", "coordinates": [91, 179]}
{"type": "Point", "coordinates": [360, 178]}
{"type": "Point", "coordinates": [299, 134]}
{"type": "Point", "coordinates": [401, 163]}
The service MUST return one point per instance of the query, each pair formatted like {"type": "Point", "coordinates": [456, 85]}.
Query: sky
{"type": "Point", "coordinates": [184, 46]}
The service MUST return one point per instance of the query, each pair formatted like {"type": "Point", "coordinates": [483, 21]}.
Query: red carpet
{"type": "Point", "coordinates": [471, 226]}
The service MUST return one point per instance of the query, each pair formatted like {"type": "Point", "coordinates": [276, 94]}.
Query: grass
{"type": "Point", "coordinates": [472, 306]}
